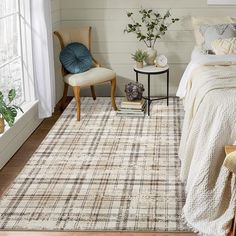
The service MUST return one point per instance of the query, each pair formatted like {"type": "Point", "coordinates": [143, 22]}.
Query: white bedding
{"type": "Point", "coordinates": [198, 58]}
{"type": "Point", "coordinates": [210, 124]}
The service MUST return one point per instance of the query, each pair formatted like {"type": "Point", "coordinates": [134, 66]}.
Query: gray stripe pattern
{"type": "Point", "coordinates": [103, 173]}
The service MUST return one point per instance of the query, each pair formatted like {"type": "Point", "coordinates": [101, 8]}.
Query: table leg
{"type": "Point", "coordinates": [136, 76]}
{"type": "Point", "coordinates": [149, 102]}
{"type": "Point", "coordinates": [168, 88]}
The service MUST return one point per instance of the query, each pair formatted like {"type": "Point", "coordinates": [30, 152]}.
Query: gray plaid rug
{"type": "Point", "coordinates": [103, 173]}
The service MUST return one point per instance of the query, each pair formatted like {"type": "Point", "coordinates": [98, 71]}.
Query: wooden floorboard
{"type": "Point", "coordinates": [9, 172]}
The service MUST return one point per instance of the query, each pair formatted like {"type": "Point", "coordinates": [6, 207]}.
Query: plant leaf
{"type": "Point", "coordinates": [11, 95]}
{"type": "Point", "coordinates": [12, 111]}
{"type": "Point", "coordinates": [1, 96]}
{"type": "Point", "coordinates": [129, 14]}
{"type": "Point", "coordinates": [18, 108]}
{"type": "Point", "coordinates": [8, 116]}
{"type": "Point", "coordinates": [6, 111]}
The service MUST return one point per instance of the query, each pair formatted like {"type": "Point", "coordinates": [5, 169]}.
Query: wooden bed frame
{"type": "Point", "coordinates": [229, 149]}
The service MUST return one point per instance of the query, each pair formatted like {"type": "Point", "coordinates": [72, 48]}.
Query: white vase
{"type": "Point", "coordinates": [152, 54]}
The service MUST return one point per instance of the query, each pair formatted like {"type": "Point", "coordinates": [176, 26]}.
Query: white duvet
{"type": "Point", "coordinates": [209, 91]}
{"type": "Point", "coordinates": [198, 58]}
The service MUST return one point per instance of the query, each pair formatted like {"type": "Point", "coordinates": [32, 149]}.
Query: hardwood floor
{"type": "Point", "coordinates": [9, 172]}
{"type": "Point", "coordinates": [90, 234]}
{"type": "Point", "coordinates": [18, 161]}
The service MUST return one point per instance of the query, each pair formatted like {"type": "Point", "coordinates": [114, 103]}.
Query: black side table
{"type": "Point", "coordinates": [153, 70]}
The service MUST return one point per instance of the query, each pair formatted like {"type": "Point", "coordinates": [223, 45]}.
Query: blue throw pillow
{"type": "Point", "coordinates": [76, 58]}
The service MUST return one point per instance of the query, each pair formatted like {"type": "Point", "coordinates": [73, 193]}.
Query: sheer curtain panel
{"type": "Point", "coordinates": [42, 43]}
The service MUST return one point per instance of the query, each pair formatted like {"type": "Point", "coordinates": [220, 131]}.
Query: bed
{"type": "Point", "coordinates": [208, 91]}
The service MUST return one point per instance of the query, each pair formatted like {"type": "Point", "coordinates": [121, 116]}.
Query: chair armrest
{"type": "Point", "coordinates": [95, 63]}
{"type": "Point", "coordinates": [230, 148]}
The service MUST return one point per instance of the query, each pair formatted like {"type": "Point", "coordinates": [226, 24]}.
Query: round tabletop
{"type": "Point", "coordinates": [151, 69]}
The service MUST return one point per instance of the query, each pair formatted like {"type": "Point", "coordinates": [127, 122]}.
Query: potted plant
{"type": "Point", "coordinates": [8, 112]}
{"type": "Point", "coordinates": [151, 26]}
{"type": "Point", "coordinates": [139, 56]}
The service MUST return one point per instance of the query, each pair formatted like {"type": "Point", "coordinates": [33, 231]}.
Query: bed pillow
{"type": "Point", "coordinates": [197, 22]}
{"type": "Point", "coordinates": [76, 58]}
{"type": "Point", "coordinates": [224, 46]}
{"type": "Point", "coordinates": [215, 32]}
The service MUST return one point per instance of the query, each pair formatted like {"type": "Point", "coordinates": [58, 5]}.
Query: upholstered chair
{"type": "Point", "coordinates": [95, 75]}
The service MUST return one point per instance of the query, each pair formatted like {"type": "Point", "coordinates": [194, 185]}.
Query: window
{"type": "Point", "coordinates": [11, 62]}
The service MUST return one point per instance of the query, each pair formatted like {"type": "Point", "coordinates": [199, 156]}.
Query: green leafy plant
{"type": "Point", "coordinates": [139, 55]}
{"type": "Point", "coordinates": [7, 111]}
{"type": "Point", "coordinates": [150, 27]}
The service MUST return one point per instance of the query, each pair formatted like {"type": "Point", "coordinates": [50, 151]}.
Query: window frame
{"type": "Point", "coordinates": [16, 13]}
{"type": "Point", "coordinates": [22, 13]}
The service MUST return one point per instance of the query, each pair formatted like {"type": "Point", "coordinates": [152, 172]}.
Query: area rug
{"type": "Point", "coordinates": [104, 173]}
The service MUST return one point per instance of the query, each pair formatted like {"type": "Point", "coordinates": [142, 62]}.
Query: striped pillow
{"type": "Point", "coordinates": [224, 46]}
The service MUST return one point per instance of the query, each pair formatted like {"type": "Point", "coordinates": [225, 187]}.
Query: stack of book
{"type": "Point", "coordinates": [132, 108]}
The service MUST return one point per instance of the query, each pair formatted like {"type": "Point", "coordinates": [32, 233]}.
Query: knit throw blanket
{"type": "Point", "coordinates": [209, 125]}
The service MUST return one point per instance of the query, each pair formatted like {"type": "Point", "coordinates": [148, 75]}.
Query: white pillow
{"type": "Point", "coordinates": [199, 21]}
{"type": "Point", "coordinates": [215, 32]}
{"type": "Point", "coordinates": [224, 46]}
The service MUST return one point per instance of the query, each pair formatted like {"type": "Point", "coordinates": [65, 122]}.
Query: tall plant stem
{"type": "Point", "coordinates": [138, 30]}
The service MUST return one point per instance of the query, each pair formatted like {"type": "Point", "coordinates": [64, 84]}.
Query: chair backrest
{"type": "Point", "coordinates": [78, 34]}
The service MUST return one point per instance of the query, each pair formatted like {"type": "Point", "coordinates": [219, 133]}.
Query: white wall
{"type": "Point", "coordinates": [56, 12]}
{"type": "Point", "coordinates": [56, 23]}
{"type": "Point", "coordinates": [112, 47]}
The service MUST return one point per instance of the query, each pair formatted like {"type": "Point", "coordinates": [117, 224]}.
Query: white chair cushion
{"type": "Point", "coordinates": [91, 77]}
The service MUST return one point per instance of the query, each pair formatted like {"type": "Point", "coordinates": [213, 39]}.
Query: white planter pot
{"type": "Point", "coordinates": [152, 54]}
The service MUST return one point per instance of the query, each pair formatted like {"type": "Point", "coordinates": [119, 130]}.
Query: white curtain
{"type": "Point", "coordinates": [43, 61]}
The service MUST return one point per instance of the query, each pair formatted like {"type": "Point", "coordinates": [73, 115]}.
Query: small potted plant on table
{"type": "Point", "coordinates": [8, 112]}
{"type": "Point", "coordinates": [139, 56]}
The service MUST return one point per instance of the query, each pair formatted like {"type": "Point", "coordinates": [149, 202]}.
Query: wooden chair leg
{"type": "Point", "coordinates": [113, 93]}
{"type": "Point", "coordinates": [63, 100]}
{"type": "Point", "coordinates": [76, 90]}
{"type": "Point", "coordinates": [234, 226]}
{"type": "Point", "coordinates": [93, 92]}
